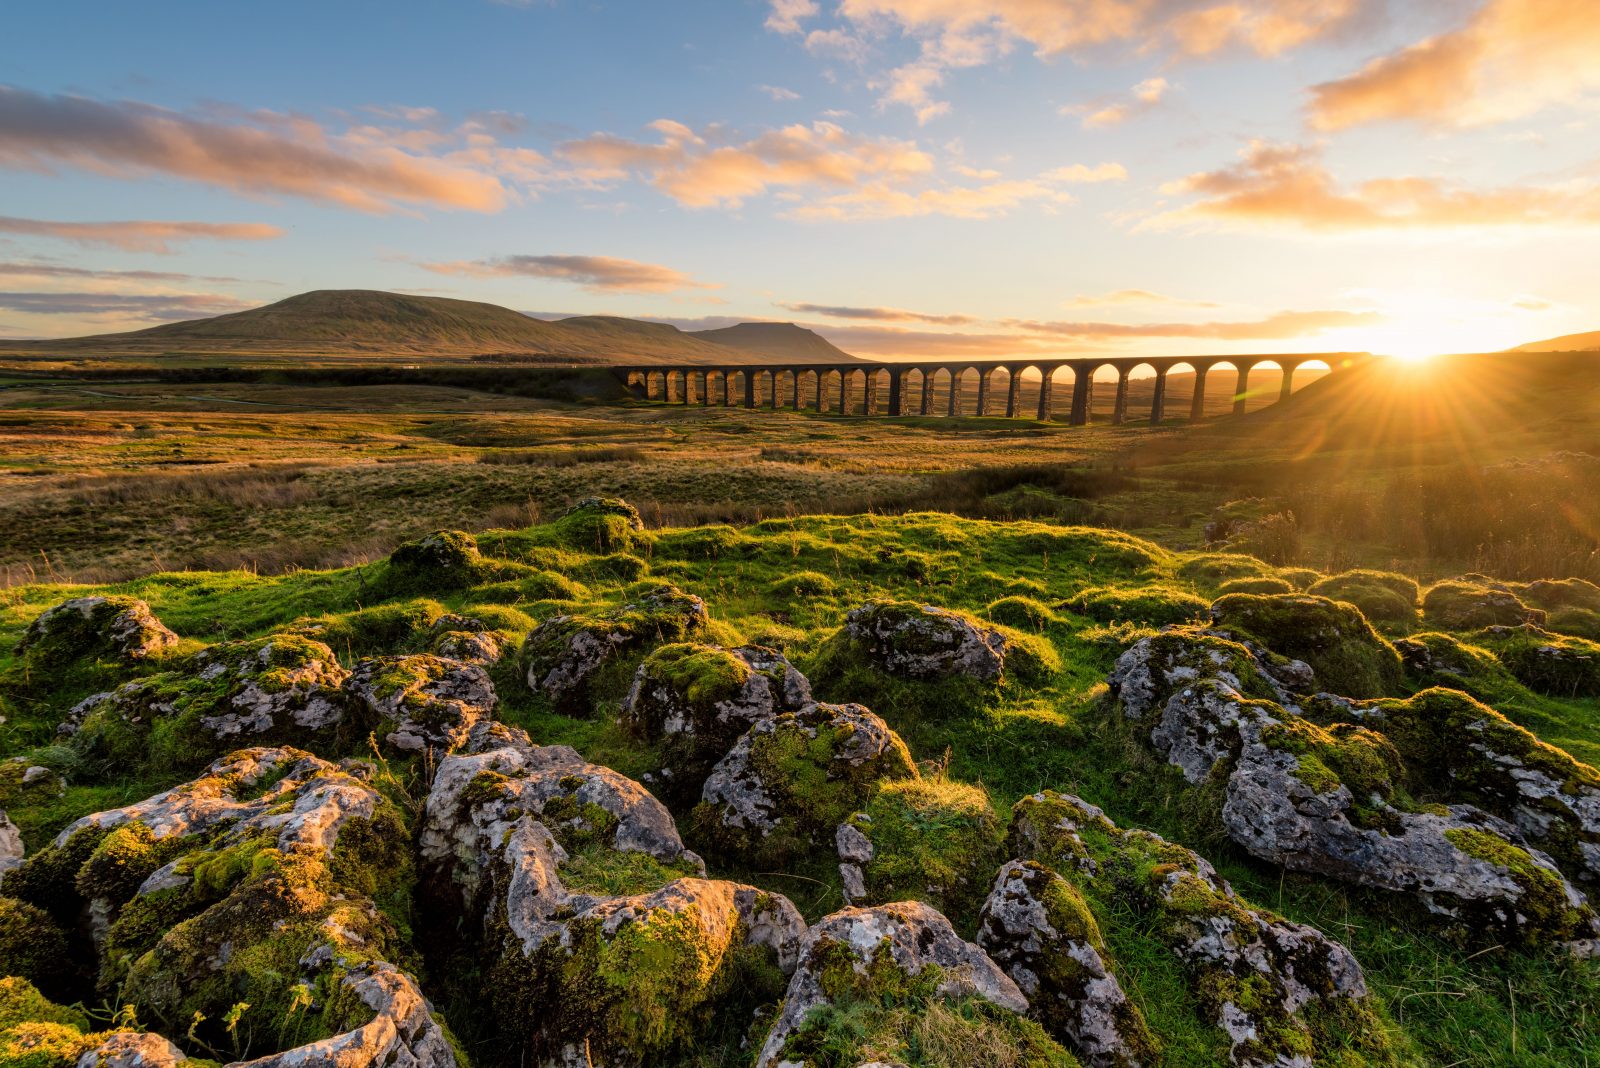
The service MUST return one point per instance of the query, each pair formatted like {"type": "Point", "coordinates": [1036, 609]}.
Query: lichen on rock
{"type": "Point", "coordinates": [1335, 639]}
{"type": "Point", "coordinates": [789, 781]}
{"type": "Point", "coordinates": [96, 628]}
{"type": "Point", "coordinates": [565, 655]}
{"type": "Point", "coordinates": [421, 702]}
{"type": "Point", "coordinates": [694, 701]}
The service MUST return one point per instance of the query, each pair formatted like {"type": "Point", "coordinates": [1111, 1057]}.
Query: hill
{"type": "Point", "coordinates": [362, 322]}
{"type": "Point", "coordinates": [780, 341]}
{"type": "Point", "coordinates": [1587, 342]}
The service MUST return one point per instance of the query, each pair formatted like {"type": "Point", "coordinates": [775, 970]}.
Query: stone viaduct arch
{"type": "Point", "coordinates": [1118, 389]}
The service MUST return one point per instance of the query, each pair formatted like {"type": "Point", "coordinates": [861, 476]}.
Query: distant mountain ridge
{"type": "Point", "coordinates": [376, 323]}
{"type": "Point", "coordinates": [1586, 342]}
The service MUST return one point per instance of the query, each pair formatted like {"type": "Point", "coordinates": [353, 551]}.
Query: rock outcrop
{"type": "Point", "coordinates": [694, 701]}
{"type": "Point", "coordinates": [563, 656]}
{"type": "Point", "coordinates": [422, 702]}
{"type": "Point", "coordinates": [96, 628]}
{"type": "Point", "coordinates": [789, 781]}
{"type": "Point", "coordinates": [925, 642]}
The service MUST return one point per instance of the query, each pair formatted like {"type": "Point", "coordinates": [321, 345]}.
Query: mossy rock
{"type": "Point", "coordinates": [1466, 605]}
{"type": "Point", "coordinates": [1157, 605]}
{"type": "Point", "coordinates": [1434, 658]}
{"type": "Point", "coordinates": [802, 585]}
{"type": "Point", "coordinates": [1213, 569]}
{"type": "Point", "coordinates": [597, 525]}
{"type": "Point", "coordinates": [1301, 578]}
{"type": "Point", "coordinates": [1385, 598]}
{"type": "Point", "coordinates": [32, 946]}
{"type": "Point", "coordinates": [396, 627]}
{"type": "Point", "coordinates": [791, 780]}
{"type": "Point", "coordinates": [1577, 622]}
{"type": "Point", "coordinates": [115, 627]}
{"type": "Point", "coordinates": [1555, 664]}
{"type": "Point", "coordinates": [1022, 613]}
{"type": "Point", "coordinates": [1262, 584]}
{"type": "Point", "coordinates": [1555, 594]}
{"type": "Point", "coordinates": [37, 1033]}
{"type": "Point", "coordinates": [932, 839]}
{"type": "Point", "coordinates": [1349, 657]}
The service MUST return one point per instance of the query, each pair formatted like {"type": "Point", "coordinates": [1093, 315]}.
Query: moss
{"type": "Point", "coordinates": [1555, 594]}
{"type": "Point", "coordinates": [1157, 605]}
{"type": "Point", "coordinates": [443, 560]}
{"type": "Point", "coordinates": [1385, 598]}
{"type": "Point", "coordinates": [1362, 760]}
{"type": "Point", "coordinates": [31, 945]}
{"type": "Point", "coordinates": [1548, 663]}
{"type": "Point", "coordinates": [1301, 578]}
{"type": "Point", "coordinates": [384, 628]}
{"type": "Point", "coordinates": [1261, 584]}
{"type": "Point", "coordinates": [702, 675]}
{"type": "Point", "coordinates": [933, 840]}
{"type": "Point", "coordinates": [1348, 656]}
{"type": "Point", "coordinates": [597, 525]}
{"type": "Point", "coordinates": [605, 871]}
{"type": "Point", "coordinates": [1211, 569]}
{"type": "Point", "coordinates": [1547, 915]}
{"type": "Point", "coordinates": [1578, 622]}
{"type": "Point", "coordinates": [1462, 604]}
{"type": "Point", "coordinates": [802, 584]}
{"type": "Point", "coordinates": [124, 858]}
{"type": "Point", "coordinates": [1024, 613]}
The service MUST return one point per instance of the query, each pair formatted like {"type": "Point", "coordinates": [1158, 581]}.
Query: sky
{"type": "Point", "coordinates": [911, 178]}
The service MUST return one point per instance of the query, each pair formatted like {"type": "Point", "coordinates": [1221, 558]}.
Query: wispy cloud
{"type": "Point", "coordinates": [1288, 186]}
{"type": "Point", "coordinates": [956, 34]}
{"type": "Point", "coordinates": [1510, 59]}
{"type": "Point", "coordinates": [836, 311]}
{"type": "Point", "coordinates": [602, 274]}
{"type": "Point", "coordinates": [1284, 325]}
{"type": "Point", "coordinates": [24, 269]}
{"type": "Point", "coordinates": [779, 93]}
{"type": "Point", "coordinates": [138, 235]}
{"type": "Point", "coordinates": [143, 307]}
{"type": "Point", "coordinates": [261, 153]}
{"type": "Point", "coordinates": [1134, 296]}
{"type": "Point", "coordinates": [1144, 97]}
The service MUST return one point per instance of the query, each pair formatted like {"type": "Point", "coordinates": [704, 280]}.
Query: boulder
{"type": "Point", "coordinates": [925, 642]}
{"type": "Point", "coordinates": [465, 639]}
{"type": "Point", "coordinates": [422, 701]}
{"type": "Point", "coordinates": [282, 688]}
{"type": "Point", "coordinates": [11, 848]}
{"type": "Point", "coordinates": [1037, 927]}
{"type": "Point", "coordinates": [1468, 604]}
{"type": "Point", "coordinates": [442, 560]}
{"type": "Point", "coordinates": [96, 628]}
{"type": "Point", "coordinates": [872, 955]}
{"type": "Point", "coordinates": [1150, 671]}
{"type": "Point", "coordinates": [564, 655]}
{"type": "Point", "coordinates": [599, 525]}
{"type": "Point", "coordinates": [254, 883]}
{"type": "Point", "coordinates": [601, 943]}
{"type": "Point", "coordinates": [132, 1049]}
{"type": "Point", "coordinates": [1282, 992]}
{"type": "Point", "coordinates": [790, 780]}
{"type": "Point", "coordinates": [694, 701]}
{"type": "Point", "coordinates": [1324, 800]}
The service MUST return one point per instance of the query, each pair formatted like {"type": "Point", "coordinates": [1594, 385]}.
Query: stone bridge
{"type": "Point", "coordinates": [911, 388]}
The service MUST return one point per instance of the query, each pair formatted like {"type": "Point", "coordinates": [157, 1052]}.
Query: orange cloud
{"type": "Point", "coordinates": [1145, 96]}
{"type": "Point", "coordinates": [712, 168]}
{"type": "Point", "coordinates": [153, 308]}
{"type": "Point", "coordinates": [601, 274]}
{"type": "Point", "coordinates": [1285, 324]}
{"type": "Point", "coordinates": [139, 235]}
{"type": "Point", "coordinates": [835, 311]}
{"type": "Point", "coordinates": [1512, 58]}
{"type": "Point", "coordinates": [262, 154]}
{"type": "Point", "coordinates": [1288, 186]}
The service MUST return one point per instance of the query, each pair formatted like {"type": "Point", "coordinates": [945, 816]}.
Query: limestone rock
{"type": "Point", "coordinates": [465, 639]}
{"type": "Point", "coordinates": [1154, 668]}
{"type": "Point", "coordinates": [1334, 638]}
{"type": "Point", "coordinates": [1280, 991]}
{"type": "Point", "coordinates": [1037, 927]}
{"type": "Point", "coordinates": [694, 701]}
{"type": "Point", "coordinates": [563, 654]}
{"type": "Point", "coordinates": [11, 848]}
{"type": "Point", "coordinates": [1467, 604]}
{"type": "Point", "coordinates": [906, 937]}
{"type": "Point", "coordinates": [517, 831]}
{"type": "Point", "coordinates": [789, 781]}
{"type": "Point", "coordinates": [132, 1049]}
{"type": "Point", "coordinates": [920, 641]}
{"type": "Point", "coordinates": [110, 628]}
{"type": "Point", "coordinates": [422, 701]}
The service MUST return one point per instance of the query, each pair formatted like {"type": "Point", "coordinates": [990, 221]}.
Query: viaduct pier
{"type": "Point", "coordinates": [863, 387]}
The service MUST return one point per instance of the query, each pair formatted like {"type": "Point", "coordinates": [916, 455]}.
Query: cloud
{"type": "Point", "coordinates": [985, 200]}
{"type": "Point", "coordinates": [1081, 172]}
{"type": "Point", "coordinates": [1134, 296]}
{"type": "Point", "coordinates": [779, 93]}
{"type": "Point", "coordinates": [1511, 59]}
{"type": "Point", "coordinates": [154, 308]}
{"type": "Point", "coordinates": [713, 167]}
{"type": "Point", "coordinates": [955, 34]}
{"type": "Point", "coordinates": [1285, 324]}
{"type": "Point", "coordinates": [601, 274]}
{"type": "Point", "coordinates": [1145, 96]}
{"type": "Point", "coordinates": [55, 270]}
{"type": "Point", "coordinates": [139, 235]}
{"type": "Point", "coordinates": [1287, 186]}
{"type": "Point", "coordinates": [261, 153]}
{"type": "Point", "coordinates": [835, 311]}
{"type": "Point", "coordinates": [787, 15]}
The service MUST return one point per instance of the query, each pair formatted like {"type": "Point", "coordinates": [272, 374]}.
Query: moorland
{"type": "Point", "coordinates": [873, 724]}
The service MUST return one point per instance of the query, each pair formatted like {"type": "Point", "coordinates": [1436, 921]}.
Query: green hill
{"type": "Point", "coordinates": [363, 322]}
{"type": "Point", "coordinates": [780, 341]}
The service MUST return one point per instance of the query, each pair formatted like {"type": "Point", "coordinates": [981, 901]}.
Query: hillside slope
{"type": "Point", "coordinates": [1586, 342]}
{"type": "Point", "coordinates": [361, 322]}
{"type": "Point", "coordinates": [780, 341]}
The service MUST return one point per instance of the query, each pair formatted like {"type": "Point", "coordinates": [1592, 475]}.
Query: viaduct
{"type": "Point", "coordinates": [911, 387]}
